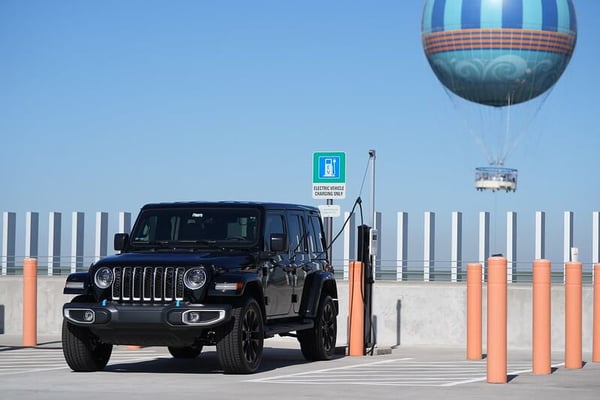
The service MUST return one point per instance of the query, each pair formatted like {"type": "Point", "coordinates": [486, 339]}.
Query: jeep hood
{"type": "Point", "coordinates": [227, 260]}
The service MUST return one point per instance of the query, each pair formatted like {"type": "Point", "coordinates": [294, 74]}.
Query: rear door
{"type": "Point", "coordinates": [277, 282]}
{"type": "Point", "coordinates": [298, 254]}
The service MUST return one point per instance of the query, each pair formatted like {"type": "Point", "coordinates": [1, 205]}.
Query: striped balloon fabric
{"type": "Point", "coordinates": [499, 52]}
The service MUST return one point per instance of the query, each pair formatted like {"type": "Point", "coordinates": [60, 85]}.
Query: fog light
{"type": "Point", "coordinates": [192, 317]}
{"type": "Point", "coordinates": [81, 315]}
{"type": "Point", "coordinates": [88, 316]}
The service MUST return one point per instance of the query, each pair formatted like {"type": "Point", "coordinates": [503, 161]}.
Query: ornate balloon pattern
{"type": "Point", "coordinates": [499, 52]}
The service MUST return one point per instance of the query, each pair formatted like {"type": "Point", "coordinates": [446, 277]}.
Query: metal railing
{"type": "Point", "coordinates": [386, 271]}
{"type": "Point", "coordinates": [442, 272]}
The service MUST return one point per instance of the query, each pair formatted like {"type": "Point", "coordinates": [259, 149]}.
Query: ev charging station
{"type": "Point", "coordinates": [329, 183]}
{"type": "Point", "coordinates": [367, 248]}
{"type": "Point", "coordinates": [361, 332]}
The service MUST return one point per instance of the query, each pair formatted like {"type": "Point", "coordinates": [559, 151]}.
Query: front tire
{"type": "Point", "coordinates": [318, 343]}
{"type": "Point", "coordinates": [82, 350]}
{"type": "Point", "coordinates": [240, 344]}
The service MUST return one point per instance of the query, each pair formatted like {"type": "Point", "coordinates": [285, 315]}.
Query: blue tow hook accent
{"type": "Point", "coordinates": [104, 303]}
{"type": "Point", "coordinates": [177, 304]}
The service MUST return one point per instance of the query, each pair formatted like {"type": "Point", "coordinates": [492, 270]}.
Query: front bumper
{"type": "Point", "coordinates": [112, 321]}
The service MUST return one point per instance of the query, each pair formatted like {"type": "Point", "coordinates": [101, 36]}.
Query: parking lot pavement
{"type": "Point", "coordinates": [415, 372]}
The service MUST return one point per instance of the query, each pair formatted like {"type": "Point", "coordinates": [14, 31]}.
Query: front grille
{"type": "Point", "coordinates": [148, 284]}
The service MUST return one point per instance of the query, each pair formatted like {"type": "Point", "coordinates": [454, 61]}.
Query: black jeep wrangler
{"type": "Point", "coordinates": [192, 274]}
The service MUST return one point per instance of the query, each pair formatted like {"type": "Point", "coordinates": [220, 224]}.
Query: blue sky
{"type": "Point", "coordinates": [105, 106]}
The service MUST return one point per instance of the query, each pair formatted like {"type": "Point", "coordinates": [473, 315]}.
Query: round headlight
{"type": "Point", "coordinates": [194, 278]}
{"type": "Point", "coordinates": [104, 277]}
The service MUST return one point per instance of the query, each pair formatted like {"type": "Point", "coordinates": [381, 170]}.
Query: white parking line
{"type": "Point", "coordinates": [320, 372]}
{"type": "Point", "coordinates": [32, 360]}
{"type": "Point", "coordinates": [399, 372]}
{"type": "Point", "coordinates": [524, 371]}
{"type": "Point", "coordinates": [387, 372]}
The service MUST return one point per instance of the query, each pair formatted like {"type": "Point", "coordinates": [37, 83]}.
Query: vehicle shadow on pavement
{"type": "Point", "coordinates": [53, 345]}
{"type": "Point", "coordinates": [207, 363]}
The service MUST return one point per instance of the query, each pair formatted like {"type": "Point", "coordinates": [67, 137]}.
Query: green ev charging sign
{"type": "Point", "coordinates": [329, 175]}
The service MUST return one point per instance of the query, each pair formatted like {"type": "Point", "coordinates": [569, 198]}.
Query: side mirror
{"type": "Point", "coordinates": [278, 242]}
{"type": "Point", "coordinates": [121, 241]}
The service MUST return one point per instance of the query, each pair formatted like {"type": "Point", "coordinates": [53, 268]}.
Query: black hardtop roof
{"type": "Point", "coordinates": [246, 204]}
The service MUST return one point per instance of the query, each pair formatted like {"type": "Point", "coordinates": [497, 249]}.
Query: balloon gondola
{"type": "Point", "coordinates": [496, 178]}
{"type": "Point", "coordinates": [497, 56]}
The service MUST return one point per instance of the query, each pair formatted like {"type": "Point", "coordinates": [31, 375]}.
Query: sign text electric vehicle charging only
{"type": "Point", "coordinates": [329, 175]}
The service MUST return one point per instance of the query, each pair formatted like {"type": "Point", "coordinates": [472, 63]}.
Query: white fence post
{"type": "Point", "coordinates": [349, 242]}
{"type": "Point", "coordinates": [456, 250]}
{"type": "Point", "coordinates": [9, 227]}
{"type": "Point", "coordinates": [540, 235]}
{"type": "Point", "coordinates": [77, 235]}
{"type": "Point", "coordinates": [567, 240]}
{"type": "Point", "coordinates": [32, 226]}
{"type": "Point", "coordinates": [511, 246]}
{"type": "Point", "coordinates": [484, 241]}
{"type": "Point", "coordinates": [401, 246]}
{"type": "Point", "coordinates": [124, 222]}
{"type": "Point", "coordinates": [429, 246]}
{"type": "Point", "coordinates": [101, 235]}
{"type": "Point", "coordinates": [595, 241]}
{"type": "Point", "coordinates": [54, 241]}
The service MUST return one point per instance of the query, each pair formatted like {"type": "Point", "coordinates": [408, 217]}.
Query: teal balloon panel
{"type": "Point", "coordinates": [499, 52]}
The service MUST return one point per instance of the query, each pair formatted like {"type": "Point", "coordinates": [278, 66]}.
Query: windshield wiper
{"type": "Point", "coordinates": [161, 244]}
{"type": "Point", "coordinates": [187, 244]}
{"type": "Point", "coordinates": [209, 243]}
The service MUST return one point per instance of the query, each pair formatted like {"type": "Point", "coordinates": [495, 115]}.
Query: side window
{"type": "Point", "coordinates": [296, 236]}
{"type": "Point", "coordinates": [311, 237]}
{"type": "Point", "coordinates": [274, 224]}
{"type": "Point", "coordinates": [317, 235]}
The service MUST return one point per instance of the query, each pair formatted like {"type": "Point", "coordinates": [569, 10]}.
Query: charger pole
{"type": "Point", "coordinates": [329, 230]}
{"type": "Point", "coordinates": [373, 212]}
{"type": "Point", "coordinates": [373, 209]}
{"type": "Point", "coordinates": [364, 256]}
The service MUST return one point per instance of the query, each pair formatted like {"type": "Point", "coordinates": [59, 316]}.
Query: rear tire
{"type": "Point", "coordinates": [240, 345]}
{"type": "Point", "coordinates": [82, 350]}
{"type": "Point", "coordinates": [188, 352]}
{"type": "Point", "coordinates": [318, 343]}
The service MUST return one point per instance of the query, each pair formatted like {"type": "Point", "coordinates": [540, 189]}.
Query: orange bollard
{"type": "Point", "coordinates": [474, 335]}
{"type": "Point", "coordinates": [542, 278]}
{"type": "Point", "coordinates": [596, 319]}
{"type": "Point", "coordinates": [573, 317]}
{"type": "Point", "coordinates": [30, 302]}
{"type": "Point", "coordinates": [497, 321]}
{"type": "Point", "coordinates": [356, 314]}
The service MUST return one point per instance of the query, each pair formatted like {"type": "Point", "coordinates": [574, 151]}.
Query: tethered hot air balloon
{"type": "Point", "coordinates": [497, 54]}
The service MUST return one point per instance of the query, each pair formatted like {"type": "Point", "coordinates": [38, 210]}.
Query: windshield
{"type": "Point", "coordinates": [226, 226]}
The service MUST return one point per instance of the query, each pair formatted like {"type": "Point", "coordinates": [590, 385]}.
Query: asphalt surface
{"type": "Point", "coordinates": [40, 372]}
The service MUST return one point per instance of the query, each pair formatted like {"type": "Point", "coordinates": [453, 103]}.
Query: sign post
{"type": "Point", "coordinates": [329, 183]}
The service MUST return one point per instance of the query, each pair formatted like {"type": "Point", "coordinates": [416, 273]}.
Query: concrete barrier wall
{"type": "Point", "coordinates": [405, 313]}
{"type": "Point", "coordinates": [435, 314]}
